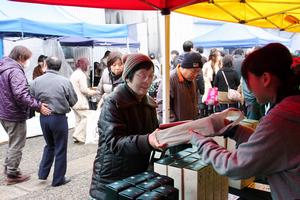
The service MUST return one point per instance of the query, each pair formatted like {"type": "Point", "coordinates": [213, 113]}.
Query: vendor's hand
{"type": "Point", "coordinates": [153, 141]}
{"type": "Point", "coordinates": [198, 139]}
{"type": "Point", "coordinates": [45, 110]}
{"type": "Point", "coordinates": [220, 121]}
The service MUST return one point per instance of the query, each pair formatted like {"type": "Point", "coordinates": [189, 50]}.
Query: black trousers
{"type": "Point", "coordinates": [55, 131]}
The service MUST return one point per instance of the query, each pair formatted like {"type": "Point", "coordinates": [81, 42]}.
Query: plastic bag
{"type": "Point", "coordinates": [92, 135]}
{"type": "Point", "coordinates": [212, 96]}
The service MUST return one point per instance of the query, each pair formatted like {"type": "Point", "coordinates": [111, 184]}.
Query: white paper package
{"type": "Point", "coordinates": [212, 125]}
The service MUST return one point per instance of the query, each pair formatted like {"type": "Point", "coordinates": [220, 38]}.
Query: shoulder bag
{"type": "Point", "coordinates": [232, 94]}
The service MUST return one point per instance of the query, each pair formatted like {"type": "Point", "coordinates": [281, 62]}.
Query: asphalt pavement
{"type": "Point", "coordinates": [80, 164]}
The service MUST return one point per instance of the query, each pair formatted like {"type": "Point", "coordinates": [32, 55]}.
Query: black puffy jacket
{"type": "Point", "coordinates": [123, 148]}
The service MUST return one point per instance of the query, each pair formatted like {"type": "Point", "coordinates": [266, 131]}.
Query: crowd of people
{"type": "Point", "coordinates": [129, 116]}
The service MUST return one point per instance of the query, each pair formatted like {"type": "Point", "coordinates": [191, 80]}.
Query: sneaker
{"type": "Point", "coordinates": [14, 179]}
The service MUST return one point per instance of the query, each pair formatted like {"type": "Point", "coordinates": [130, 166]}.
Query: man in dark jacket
{"type": "Point", "coordinates": [187, 47]}
{"type": "Point", "coordinates": [59, 97]}
{"type": "Point", "coordinates": [15, 100]}
{"type": "Point", "coordinates": [127, 127]}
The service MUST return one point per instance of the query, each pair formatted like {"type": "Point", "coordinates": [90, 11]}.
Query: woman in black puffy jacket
{"type": "Point", "coordinates": [127, 127]}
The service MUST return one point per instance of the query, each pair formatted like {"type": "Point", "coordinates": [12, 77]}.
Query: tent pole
{"type": "Point", "coordinates": [127, 44]}
{"type": "Point", "coordinates": [93, 69]}
{"type": "Point", "coordinates": [1, 47]}
{"type": "Point", "coordinates": [166, 72]}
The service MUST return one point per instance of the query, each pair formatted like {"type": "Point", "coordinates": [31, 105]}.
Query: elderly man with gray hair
{"type": "Point", "coordinates": [58, 92]}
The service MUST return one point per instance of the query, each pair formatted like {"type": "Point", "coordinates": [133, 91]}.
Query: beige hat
{"type": "Point", "coordinates": [132, 61]}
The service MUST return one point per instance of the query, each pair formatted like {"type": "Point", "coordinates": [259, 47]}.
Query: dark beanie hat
{"type": "Point", "coordinates": [191, 60]}
{"type": "Point", "coordinates": [113, 57]}
{"type": "Point", "coordinates": [132, 61]}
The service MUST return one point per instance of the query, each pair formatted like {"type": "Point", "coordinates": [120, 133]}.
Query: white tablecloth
{"type": "Point", "coordinates": [34, 128]}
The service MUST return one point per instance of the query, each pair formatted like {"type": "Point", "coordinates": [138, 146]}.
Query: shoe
{"type": "Point", "coordinates": [76, 141]}
{"type": "Point", "coordinates": [16, 178]}
{"type": "Point", "coordinates": [66, 180]}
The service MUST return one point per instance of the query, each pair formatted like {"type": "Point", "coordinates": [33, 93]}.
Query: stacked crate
{"type": "Point", "coordinates": [193, 178]}
{"type": "Point", "coordinates": [146, 185]}
{"type": "Point", "coordinates": [231, 146]}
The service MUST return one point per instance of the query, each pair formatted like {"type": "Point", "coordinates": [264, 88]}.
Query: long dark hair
{"type": "Point", "coordinates": [275, 59]}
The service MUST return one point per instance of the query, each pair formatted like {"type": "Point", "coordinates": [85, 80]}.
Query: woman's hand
{"type": "Point", "coordinates": [153, 141]}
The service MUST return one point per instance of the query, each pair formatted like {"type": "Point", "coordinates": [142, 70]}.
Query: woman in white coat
{"type": "Point", "coordinates": [81, 108]}
{"type": "Point", "coordinates": [209, 70]}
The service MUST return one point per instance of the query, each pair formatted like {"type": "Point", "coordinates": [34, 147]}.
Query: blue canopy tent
{"type": "Point", "coordinates": [34, 20]}
{"type": "Point", "coordinates": [232, 35]}
{"type": "Point", "coordinates": [21, 27]}
{"type": "Point", "coordinates": [113, 42]}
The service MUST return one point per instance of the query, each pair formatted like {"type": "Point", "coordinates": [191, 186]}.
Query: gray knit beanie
{"type": "Point", "coordinates": [132, 61]}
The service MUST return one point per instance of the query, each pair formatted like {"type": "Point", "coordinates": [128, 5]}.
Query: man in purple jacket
{"type": "Point", "coordinates": [15, 100]}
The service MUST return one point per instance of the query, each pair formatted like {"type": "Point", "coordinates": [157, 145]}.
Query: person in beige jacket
{"type": "Point", "coordinates": [81, 108]}
{"type": "Point", "coordinates": [209, 70]}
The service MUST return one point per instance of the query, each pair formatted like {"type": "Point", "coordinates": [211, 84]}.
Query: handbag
{"type": "Point", "coordinates": [223, 98]}
{"type": "Point", "coordinates": [232, 94]}
{"type": "Point", "coordinates": [212, 96]}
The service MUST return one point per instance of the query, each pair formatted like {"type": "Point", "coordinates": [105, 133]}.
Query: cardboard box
{"type": "Point", "coordinates": [148, 185]}
{"type": "Point", "coordinates": [181, 154]}
{"type": "Point", "coordinates": [114, 188]}
{"type": "Point", "coordinates": [175, 171]}
{"type": "Point", "coordinates": [194, 181]}
{"type": "Point", "coordinates": [130, 193]}
{"type": "Point", "coordinates": [237, 184]}
{"type": "Point", "coordinates": [220, 186]}
{"type": "Point", "coordinates": [249, 123]}
{"type": "Point", "coordinates": [164, 180]}
{"type": "Point", "coordinates": [138, 178]}
{"type": "Point", "coordinates": [225, 187]}
{"type": "Point", "coordinates": [151, 195]}
{"type": "Point", "coordinates": [168, 192]}
{"type": "Point", "coordinates": [191, 150]}
{"type": "Point", "coordinates": [160, 166]}
{"type": "Point", "coordinates": [135, 179]}
{"type": "Point", "coordinates": [240, 184]}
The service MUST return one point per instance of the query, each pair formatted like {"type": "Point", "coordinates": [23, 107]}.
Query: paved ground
{"type": "Point", "coordinates": [80, 163]}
